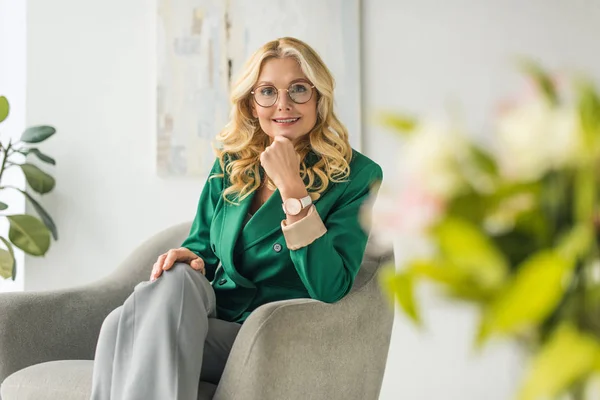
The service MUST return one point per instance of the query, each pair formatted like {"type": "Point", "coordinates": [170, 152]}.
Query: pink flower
{"type": "Point", "coordinates": [409, 211]}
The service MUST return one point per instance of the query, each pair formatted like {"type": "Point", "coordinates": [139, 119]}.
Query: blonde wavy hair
{"type": "Point", "coordinates": [242, 140]}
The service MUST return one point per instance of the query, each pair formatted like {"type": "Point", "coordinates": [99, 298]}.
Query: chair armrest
{"type": "Point", "coordinates": [52, 325]}
{"type": "Point", "coordinates": [307, 349]}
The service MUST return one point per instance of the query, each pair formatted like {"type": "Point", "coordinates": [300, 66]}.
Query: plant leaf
{"type": "Point", "coordinates": [29, 234]}
{"type": "Point", "coordinates": [400, 287]}
{"type": "Point", "coordinates": [39, 181]}
{"type": "Point", "coordinates": [457, 282]}
{"type": "Point", "coordinates": [576, 242]}
{"type": "Point", "coordinates": [585, 194]}
{"type": "Point", "coordinates": [39, 154]}
{"type": "Point", "coordinates": [589, 114]}
{"type": "Point", "coordinates": [405, 293]}
{"type": "Point", "coordinates": [565, 358]}
{"type": "Point", "coordinates": [463, 245]}
{"type": "Point", "coordinates": [484, 160]}
{"type": "Point", "coordinates": [7, 261]}
{"type": "Point", "coordinates": [4, 108]}
{"type": "Point", "coordinates": [3, 206]}
{"type": "Point", "coordinates": [403, 124]}
{"type": "Point", "coordinates": [43, 214]}
{"type": "Point", "coordinates": [543, 81]}
{"type": "Point", "coordinates": [534, 292]}
{"type": "Point", "coordinates": [36, 134]}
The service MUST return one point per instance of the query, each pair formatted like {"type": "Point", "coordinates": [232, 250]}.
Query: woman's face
{"type": "Point", "coordinates": [285, 117]}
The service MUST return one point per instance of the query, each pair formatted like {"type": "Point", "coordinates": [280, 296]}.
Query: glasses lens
{"type": "Point", "coordinates": [300, 92]}
{"type": "Point", "coordinates": [265, 95]}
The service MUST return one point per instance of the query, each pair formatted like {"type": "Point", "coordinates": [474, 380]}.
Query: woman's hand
{"type": "Point", "coordinates": [167, 260]}
{"type": "Point", "coordinates": [281, 162]}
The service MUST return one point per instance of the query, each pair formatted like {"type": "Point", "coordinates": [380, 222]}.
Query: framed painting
{"type": "Point", "coordinates": [201, 46]}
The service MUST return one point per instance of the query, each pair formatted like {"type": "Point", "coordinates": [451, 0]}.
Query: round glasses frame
{"type": "Point", "coordinates": [312, 87]}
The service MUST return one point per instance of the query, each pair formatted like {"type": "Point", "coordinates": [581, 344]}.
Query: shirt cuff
{"type": "Point", "coordinates": [305, 231]}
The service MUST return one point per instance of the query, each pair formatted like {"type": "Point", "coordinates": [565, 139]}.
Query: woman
{"type": "Point", "coordinates": [279, 212]}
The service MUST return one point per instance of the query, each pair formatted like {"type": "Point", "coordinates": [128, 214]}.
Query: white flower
{"type": "Point", "coordinates": [431, 156]}
{"type": "Point", "coordinates": [536, 137]}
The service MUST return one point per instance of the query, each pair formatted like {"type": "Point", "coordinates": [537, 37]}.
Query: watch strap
{"type": "Point", "coordinates": [306, 201]}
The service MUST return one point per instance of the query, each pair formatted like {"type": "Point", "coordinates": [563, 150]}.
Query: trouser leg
{"type": "Point", "coordinates": [105, 354]}
{"type": "Point", "coordinates": [160, 338]}
{"type": "Point", "coordinates": [218, 344]}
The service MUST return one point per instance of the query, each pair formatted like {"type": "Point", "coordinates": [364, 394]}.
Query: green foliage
{"type": "Point", "coordinates": [402, 124]}
{"type": "Point", "coordinates": [400, 287]}
{"type": "Point", "coordinates": [27, 232]}
{"type": "Point", "coordinates": [530, 297]}
{"type": "Point", "coordinates": [38, 180]}
{"type": "Point", "coordinates": [568, 356]}
{"type": "Point", "coordinates": [542, 79]}
{"type": "Point", "coordinates": [4, 108]}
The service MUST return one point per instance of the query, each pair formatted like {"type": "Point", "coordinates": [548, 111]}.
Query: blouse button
{"type": "Point", "coordinates": [222, 281]}
{"type": "Point", "coordinates": [277, 247]}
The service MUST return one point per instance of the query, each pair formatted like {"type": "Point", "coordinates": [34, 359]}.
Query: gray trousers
{"type": "Point", "coordinates": [163, 340]}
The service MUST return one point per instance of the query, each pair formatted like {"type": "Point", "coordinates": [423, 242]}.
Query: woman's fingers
{"type": "Point", "coordinates": [161, 260]}
{"type": "Point", "coordinates": [167, 260]}
{"type": "Point", "coordinates": [157, 267]}
{"type": "Point", "coordinates": [156, 271]}
{"type": "Point", "coordinates": [170, 259]}
{"type": "Point", "coordinates": [198, 265]}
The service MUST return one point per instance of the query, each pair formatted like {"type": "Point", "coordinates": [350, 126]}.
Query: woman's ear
{"type": "Point", "coordinates": [252, 108]}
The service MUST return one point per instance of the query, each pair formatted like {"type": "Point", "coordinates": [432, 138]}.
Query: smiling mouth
{"type": "Point", "coordinates": [286, 121]}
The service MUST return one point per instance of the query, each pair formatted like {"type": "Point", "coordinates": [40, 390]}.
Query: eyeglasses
{"type": "Point", "coordinates": [267, 95]}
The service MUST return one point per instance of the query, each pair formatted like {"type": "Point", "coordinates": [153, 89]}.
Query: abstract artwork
{"type": "Point", "coordinates": [202, 45]}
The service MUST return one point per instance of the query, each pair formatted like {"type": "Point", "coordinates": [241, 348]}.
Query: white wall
{"type": "Point", "coordinates": [91, 73]}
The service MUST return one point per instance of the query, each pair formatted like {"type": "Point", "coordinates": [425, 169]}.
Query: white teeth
{"type": "Point", "coordinates": [287, 120]}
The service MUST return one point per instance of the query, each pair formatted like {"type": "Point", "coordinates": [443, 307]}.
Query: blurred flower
{"type": "Point", "coordinates": [408, 211]}
{"type": "Point", "coordinates": [536, 137]}
{"type": "Point", "coordinates": [432, 156]}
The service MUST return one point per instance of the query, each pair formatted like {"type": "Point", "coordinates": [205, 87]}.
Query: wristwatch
{"type": "Point", "coordinates": [293, 206]}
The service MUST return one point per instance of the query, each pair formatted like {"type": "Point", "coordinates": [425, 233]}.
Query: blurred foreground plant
{"type": "Point", "coordinates": [26, 232]}
{"type": "Point", "coordinates": [514, 226]}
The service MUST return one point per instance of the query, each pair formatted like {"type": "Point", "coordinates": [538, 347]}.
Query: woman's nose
{"type": "Point", "coordinates": [284, 101]}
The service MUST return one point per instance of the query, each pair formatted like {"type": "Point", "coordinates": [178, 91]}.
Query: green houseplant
{"type": "Point", "coordinates": [27, 232]}
{"type": "Point", "coordinates": [513, 226]}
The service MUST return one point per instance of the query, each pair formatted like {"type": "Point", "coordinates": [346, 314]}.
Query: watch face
{"type": "Point", "coordinates": [293, 206]}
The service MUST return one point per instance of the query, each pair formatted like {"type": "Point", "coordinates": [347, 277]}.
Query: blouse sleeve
{"type": "Point", "coordinates": [198, 240]}
{"type": "Point", "coordinates": [328, 253]}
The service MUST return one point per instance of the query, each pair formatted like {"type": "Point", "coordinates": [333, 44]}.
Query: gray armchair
{"type": "Point", "coordinates": [292, 349]}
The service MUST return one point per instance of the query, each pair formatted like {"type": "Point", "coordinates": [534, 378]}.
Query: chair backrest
{"type": "Point", "coordinates": [375, 257]}
{"type": "Point", "coordinates": [138, 265]}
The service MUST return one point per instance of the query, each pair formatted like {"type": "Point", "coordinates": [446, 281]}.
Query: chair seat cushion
{"type": "Point", "coordinates": [63, 380]}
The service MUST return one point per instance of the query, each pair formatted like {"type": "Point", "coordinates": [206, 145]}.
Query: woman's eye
{"type": "Point", "coordinates": [267, 91]}
{"type": "Point", "coordinates": [298, 88]}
